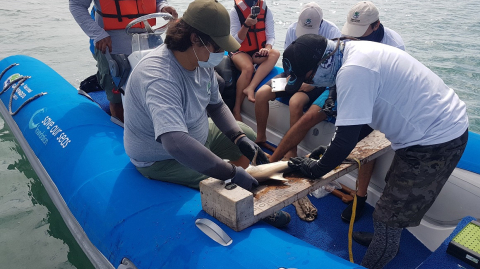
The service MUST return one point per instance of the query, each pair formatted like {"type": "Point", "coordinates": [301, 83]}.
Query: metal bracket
{"type": "Point", "coordinates": [126, 264]}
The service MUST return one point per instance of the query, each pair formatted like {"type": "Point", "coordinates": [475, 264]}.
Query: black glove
{"type": "Point", "coordinates": [306, 165]}
{"type": "Point", "coordinates": [249, 149]}
{"type": "Point", "coordinates": [244, 179]}
{"type": "Point", "coordinates": [329, 106]}
{"type": "Point", "coordinates": [316, 153]}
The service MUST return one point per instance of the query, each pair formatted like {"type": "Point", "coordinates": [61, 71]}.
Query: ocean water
{"type": "Point", "coordinates": [441, 34]}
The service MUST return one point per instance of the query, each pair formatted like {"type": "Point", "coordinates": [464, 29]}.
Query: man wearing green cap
{"type": "Point", "coordinates": [168, 100]}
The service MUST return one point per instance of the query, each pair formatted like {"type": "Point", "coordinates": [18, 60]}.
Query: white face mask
{"type": "Point", "coordinates": [213, 59]}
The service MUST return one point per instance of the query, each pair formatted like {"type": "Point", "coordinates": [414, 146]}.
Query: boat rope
{"type": "Point", "coordinates": [352, 218]}
{"type": "Point", "coordinates": [19, 80]}
{"type": "Point", "coordinates": [6, 69]}
{"type": "Point", "coordinates": [22, 80]}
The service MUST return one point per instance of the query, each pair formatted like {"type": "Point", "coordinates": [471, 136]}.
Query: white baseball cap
{"type": "Point", "coordinates": [309, 20]}
{"type": "Point", "coordinates": [359, 19]}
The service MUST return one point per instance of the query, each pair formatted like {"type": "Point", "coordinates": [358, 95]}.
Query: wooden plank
{"type": "Point", "coordinates": [239, 209]}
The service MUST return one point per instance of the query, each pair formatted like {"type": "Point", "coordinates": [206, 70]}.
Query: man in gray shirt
{"type": "Point", "coordinates": [108, 32]}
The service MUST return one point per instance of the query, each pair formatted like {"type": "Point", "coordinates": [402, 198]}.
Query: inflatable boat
{"type": "Point", "coordinates": [123, 220]}
{"type": "Point", "coordinates": [120, 218]}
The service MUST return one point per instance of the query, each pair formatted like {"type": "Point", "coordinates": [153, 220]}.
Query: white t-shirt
{"type": "Point", "coordinates": [327, 29]}
{"type": "Point", "coordinates": [160, 97]}
{"type": "Point", "coordinates": [392, 38]}
{"type": "Point", "coordinates": [392, 92]}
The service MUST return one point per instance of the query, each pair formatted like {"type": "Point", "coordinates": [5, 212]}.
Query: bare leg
{"type": "Point", "coordinates": [262, 71]}
{"type": "Point", "coordinates": [243, 62]}
{"type": "Point", "coordinates": [296, 105]}
{"type": "Point", "coordinates": [364, 174]}
{"type": "Point", "coordinates": [298, 131]}
{"type": "Point", "coordinates": [264, 94]}
{"type": "Point", "coordinates": [116, 110]}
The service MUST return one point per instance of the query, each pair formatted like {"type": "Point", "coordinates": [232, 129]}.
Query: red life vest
{"type": "Point", "coordinates": [256, 37]}
{"type": "Point", "coordinates": [116, 14]}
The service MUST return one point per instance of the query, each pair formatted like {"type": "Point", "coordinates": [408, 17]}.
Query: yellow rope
{"type": "Point", "coordinates": [352, 218]}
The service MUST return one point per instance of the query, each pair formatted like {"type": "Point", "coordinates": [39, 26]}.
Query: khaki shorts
{"type": "Point", "coordinates": [105, 79]}
{"type": "Point", "coordinates": [414, 180]}
{"type": "Point", "coordinates": [217, 142]}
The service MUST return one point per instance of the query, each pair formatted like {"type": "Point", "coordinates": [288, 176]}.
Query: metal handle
{"type": "Point", "coordinates": [212, 230]}
{"type": "Point", "coordinates": [149, 29]}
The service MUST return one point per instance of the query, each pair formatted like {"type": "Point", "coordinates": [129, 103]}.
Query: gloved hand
{"type": "Point", "coordinates": [244, 179]}
{"type": "Point", "coordinates": [316, 153]}
{"type": "Point", "coordinates": [250, 149]}
{"type": "Point", "coordinates": [305, 165]}
{"type": "Point", "coordinates": [329, 106]}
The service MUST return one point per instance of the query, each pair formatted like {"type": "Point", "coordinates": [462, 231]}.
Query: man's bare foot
{"type": "Point", "coordinates": [250, 93]}
{"type": "Point", "coordinates": [237, 115]}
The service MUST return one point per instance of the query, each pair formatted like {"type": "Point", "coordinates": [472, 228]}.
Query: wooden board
{"type": "Point", "coordinates": [239, 208]}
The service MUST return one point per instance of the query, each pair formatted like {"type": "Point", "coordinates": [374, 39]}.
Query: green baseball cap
{"type": "Point", "coordinates": [211, 18]}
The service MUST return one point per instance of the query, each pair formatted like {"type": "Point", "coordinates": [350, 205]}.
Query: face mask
{"type": "Point", "coordinates": [326, 73]}
{"type": "Point", "coordinates": [213, 59]}
{"type": "Point", "coordinates": [375, 36]}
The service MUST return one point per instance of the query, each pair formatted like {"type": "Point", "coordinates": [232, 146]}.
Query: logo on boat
{"type": "Point", "coordinates": [50, 129]}
{"type": "Point", "coordinates": [31, 124]}
{"type": "Point", "coordinates": [11, 78]}
{"type": "Point", "coordinates": [22, 90]}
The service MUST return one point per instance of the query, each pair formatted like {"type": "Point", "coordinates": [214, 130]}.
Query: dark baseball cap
{"type": "Point", "coordinates": [211, 18]}
{"type": "Point", "coordinates": [302, 56]}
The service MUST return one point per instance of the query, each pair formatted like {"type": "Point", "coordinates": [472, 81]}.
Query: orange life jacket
{"type": "Point", "coordinates": [256, 37]}
{"type": "Point", "coordinates": [116, 14]}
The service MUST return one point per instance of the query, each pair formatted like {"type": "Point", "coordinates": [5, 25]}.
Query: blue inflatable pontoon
{"type": "Point", "coordinates": [113, 211]}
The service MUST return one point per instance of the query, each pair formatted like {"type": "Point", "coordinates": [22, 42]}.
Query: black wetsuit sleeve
{"type": "Point", "coordinates": [191, 153]}
{"type": "Point", "coordinates": [343, 142]}
{"type": "Point", "coordinates": [366, 130]}
{"type": "Point", "coordinates": [223, 118]}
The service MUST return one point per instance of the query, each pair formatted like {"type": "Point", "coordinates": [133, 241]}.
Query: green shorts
{"type": "Point", "coordinates": [175, 172]}
{"type": "Point", "coordinates": [414, 180]}
{"type": "Point", "coordinates": [105, 79]}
